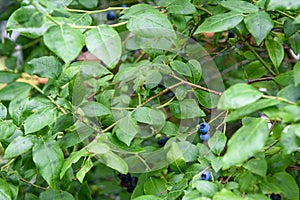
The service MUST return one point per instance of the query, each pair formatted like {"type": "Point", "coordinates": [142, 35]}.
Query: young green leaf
{"type": "Point", "coordinates": [246, 142]}
{"type": "Point", "coordinates": [6, 193]}
{"type": "Point", "coordinates": [276, 51]}
{"type": "Point", "coordinates": [48, 158]}
{"type": "Point", "coordinates": [220, 22]}
{"type": "Point", "coordinates": [64, 41]}
{"type": "Point", "coordinates": [296, 71]}
{"type": "Point", "coordinates": [259, 24]}
{"type": "Point", "coordinates": [88, 164]}
{"type": "Point", "coordinates": [105, 43]}
{"type": "Point", "coordinates": [3, 111]}
{"type": "Point", "coordinates": [181, 68]}
{"type": "Point", "coordinates": [238, 95]}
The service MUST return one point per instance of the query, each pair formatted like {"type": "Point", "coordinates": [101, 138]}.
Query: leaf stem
{"type": "Point", "coordinates": [279, 99]}
{"type": "Point", "coordinates": [95, 11]}
{"type": "Point", "coordinates": [198, 86]}
{"type": "Point", "coordinates": [32, 184]}
{"type": "Point", "coordinates": [204, 9]}
{"type": "Point", "coordinates": [285, 14]}
{"type": "Point", "coordinates": [261, 60]}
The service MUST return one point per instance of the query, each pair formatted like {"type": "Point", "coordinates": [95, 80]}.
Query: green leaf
{"type": "Point", "coordinates": [186, 109]}
{"type": "Point", "coordinates": [104, 43]}
{"type": "Point", "coordinates": [148, 197]}
{"type": "Point", "coordinates": [5, 191]}
{"type": "Point", "coordinates": [181, 7]}
{"type": "Point", "coordinates": [10, 91]}
{"type": "Point", "coordinates": [150, 23]}
{"type": "Point", "coordinates": [293, 110]}
{"type": "Point", "coordinates": [18, 146]}
{"type": "Point", "coordinates": [259, 25]}
{"type": "Point", "coordinates": [7, 129]}
{"type": "Point", "coordinates": [247, 141]}
{"type": "Point", "coordinates": [276, 51]}
{"type": "Point", "coordinates": [174, 153]}
{"type": "Point", "coordinates": [290, 139]}
{"type": "Point", "coordinates": [196, 71]}
{"type": "Point", "coordinates": [155, 186]}
{"type": "Point", "coordinates": [88, 164]}
{"type": "Point", "coordinates": [226, 195]}
{"type": "Point", "coordinates": [97, 146]}
{"type": "Point", "coordinates": [257, 166]}
{"type": "Point", "coordinates": [240, 6]}
{"type": "Point", "coordinates": [220, 22]}
{"type": "Point", "coordinates": [255, 70]}
{"type": "Point", "coordinates": [287, 184]}
{"type": "Point", "coordinates": [153, 78]}
{"type": "Point", "coordinates": [94, 109]}
{"type": "Point", "coordinates": [46, 66]}
{"type": "Point", "coordinates": [296, 71]}
{"type": "Point", "coordinates": [178, 189]}
{"type": "Point", "coordinates": [73, 158]}
{"type": "Point", "coordinates": [149, 116]}
{"type": "Point", "coordinates": [238, 95]}
{"type": "Point", "coordinates": [49, 158]}
{"type": "Point", "coordinates": [28, 22]}
{"type": "Point", "coordinates": [206, 99]}
{"type": "Point", "coordinates": [294, 41]}
{"type": "Point", "coordinates": [127, 129]}
{"type": "Point", "coordinates": [64, 41]}
{"type": "Point", "coordinates": [89, 4]}
{"type": "Point", "coordinates": [290, 93]}
{"type": "Point", "coordinates": [3, 111]}
{"type": "Point", "coordinates": [39, 120]}
{"type": "Point", "coordinates": [287, 4]}
{"type": "Point", "coordinates": [16, 108]}
{"type": "Point", "coordinates": [206, 188]}
{"type": "Point", "coordinates": [181, 68]}
{"type": "Point", "coordinates": [7, 77]}
{"type": "Point", "coordinates": [290, 27]}
{"type": "Point", "coordinates": [248, 109]}
{"type": "Point", "coordinates": [217, 142]}
{"type": "Point", "coordinates": [216, 163]}
{"type": "Point", "coordinates": [181, 92]}
{"type": "Point", "coordinates": [57, 195]}
{"type": "Point", "coordinates": [114, 161]}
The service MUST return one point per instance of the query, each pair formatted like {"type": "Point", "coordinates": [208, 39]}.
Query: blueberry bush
{"type": "Point", "coordinates": [150, 100]}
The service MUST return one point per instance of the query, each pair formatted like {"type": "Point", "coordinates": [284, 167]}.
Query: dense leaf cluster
{"type": "Point", "coordinates": [91, 90]}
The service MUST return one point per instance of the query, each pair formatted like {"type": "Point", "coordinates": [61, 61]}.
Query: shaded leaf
{"type": "Point", "coordinates": [240, 6]}
{"type": "Point", "coordinates": [186, 109]}
{"type": "Point", "coordinates": [149, 116]}
{"type": "Point", "coordinates": [276, 51]}
{"type": "Point", "coordinates": [48, 157]}
{"type": "Point", "coordinates": [10, 91]}
{"type": "Point", "coordinates": [246, 142]}
{"type": "Point", "coordinates": [18, 146]}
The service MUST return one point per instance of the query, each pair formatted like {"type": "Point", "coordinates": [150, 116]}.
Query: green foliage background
{"type": "Point", "coordinates": [152, 72]}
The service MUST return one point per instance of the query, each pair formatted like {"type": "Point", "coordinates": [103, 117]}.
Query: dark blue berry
{"type": "Point", "coordinates": [205, 176]}
{"type": "Point", "coordinates": [84, 49]}
{"type": "Point", "coordinates": [203, 128]}
{"type": "Point", "coordinates": [130, 189]}
{"type": "Point", "coordinates": [111, 15]}
{"type": "Point", "coordinates": [230, 34]}
{"type": "Point", "coordinates": [163, 140]}
{"type": "Point", "coordinates": [275, 196]}
{"type": "Point", "coordinates": [134, 181]}
{"type": "Point", "coordinates": [205, 137]}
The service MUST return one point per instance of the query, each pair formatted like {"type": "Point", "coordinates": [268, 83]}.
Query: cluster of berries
{"type": "Point", "coordinates": [128, 182]}
{"type": "Point", "coordinates": [203, 129]}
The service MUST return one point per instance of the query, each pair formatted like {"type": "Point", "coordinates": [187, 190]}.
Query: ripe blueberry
{"type": "Point", "coordinates": [230, 34]}
{"type": "Point", "coordinates": [205, 176]}
{"type": "Point", "coordinates": [163, 140]}
{"type": "Point", "coordinates": [203, 128]}
{"type": "Point", "coordinates": [84, 49]}
{"type": "Point", "coordinates": [205, 137]}
{"type": "Point", "coordinates": [111, 15]}
{"type": "Point", "coordinates": [275, 196]}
